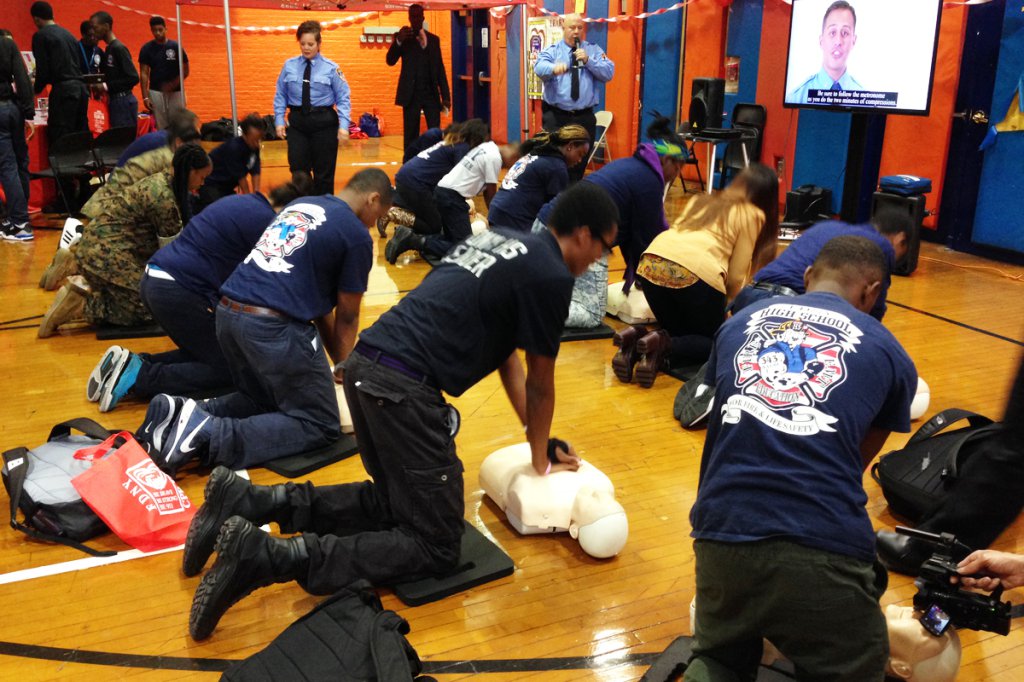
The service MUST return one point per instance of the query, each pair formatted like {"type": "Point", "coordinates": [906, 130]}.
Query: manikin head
{"type": "Point", "coordinates": [599, 522]}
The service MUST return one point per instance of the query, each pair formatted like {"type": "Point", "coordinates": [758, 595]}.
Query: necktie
{"type": "Point", "coordinates": [307, 104]}
{"type": "Point", "coordinates": [836, 86]}
{"type": "Point", "coordinates": [574, 91]}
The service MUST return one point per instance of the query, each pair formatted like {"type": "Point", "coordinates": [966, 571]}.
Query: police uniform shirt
{"type": "Point", "coordinates": [315, 248]}
{"type": "Point", "coordinates": [162, 60]}
{"type": "Point", "coordinates": [493, 293]}
{"type": "Point", "coordinates": [327, 86]}
{"type": "Point", "coordinates": [530, 183]}
{"type": "Point", "coordinates": [214, 242]}
{"type": "Point", "coordinates": [798, 381]}
{"type": "Point", "coordinates": [423, 171]}
{"type": "Point", "coordinates": [481, 166]}
{"type": "Point", "coordinates": [822, 81]}
{"type": "Point", "coordinates": [232, 161]}
{"type": "Point", "coordinates": [118, 68]}
{"type": "Point", "coordinates": [57, 57]}
{"type": "Point", "coordinates": [558, 89]}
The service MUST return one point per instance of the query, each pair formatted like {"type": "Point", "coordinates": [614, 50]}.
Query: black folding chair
{"type": "Point", "coordinates": [741, 153]}
{"type": "Point", "coordinates": [70, 157]}
{"type": "Point", "coordinates": [108, 147]}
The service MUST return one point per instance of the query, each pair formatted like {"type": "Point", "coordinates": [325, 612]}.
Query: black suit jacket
{"type": "Point", "coordinates": [408, 52]}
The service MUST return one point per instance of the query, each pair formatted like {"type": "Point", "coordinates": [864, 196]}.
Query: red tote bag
{"type": "Point", "coordinates": [139, 502]}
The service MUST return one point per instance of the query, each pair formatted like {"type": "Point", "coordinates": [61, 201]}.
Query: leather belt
{"type": "Point", "coordinates": [381, 358]}
{"type": "Point", "coordinates": [780, 289]}
{"type": "Point", "coordinates": [571, 112]}
{"type": "Point", "coordinates": [251, 309]}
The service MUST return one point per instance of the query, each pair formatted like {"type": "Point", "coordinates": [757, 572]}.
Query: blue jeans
{"type": "Point", "coordinates": [285, 402]}
{"type": "Point", "coordinates": [123, 110]}
{"type": "Point", "coordinates": [14, 162]}
{"type": "Point", "coordinates": [407, 522]}
{"type": "Point", "coordinates": [198, 367]}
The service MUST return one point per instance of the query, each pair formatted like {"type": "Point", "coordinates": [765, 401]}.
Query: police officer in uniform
{"type": "Point", "coordinates": [571, 70]}
{"type": "Point", "coordinates": [310, 86]}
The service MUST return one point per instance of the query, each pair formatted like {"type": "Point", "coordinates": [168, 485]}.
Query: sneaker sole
{"type": "Point", "coordinates": [61, 304]}
{"type": "Point", "coordinates": [107, 402]}
{"type": "Point", "coordinates": [101, 371]}
{"type": "Point", "coordinates": [202, 522]}
{"type": "Point", "coordinates": [232, 534]}
{"type": "Point", "coordinates": [646, 372]}
{"type": "Point", "coordinates": [622, 367]}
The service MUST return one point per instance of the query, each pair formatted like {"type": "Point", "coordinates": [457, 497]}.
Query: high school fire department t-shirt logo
{"type": "Point", "coordinates": [792, 359]}
{"type": "Point", "coordinates": [285, 236]}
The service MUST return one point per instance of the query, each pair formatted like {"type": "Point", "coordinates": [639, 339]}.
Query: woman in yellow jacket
{"type": "Point", "coordinates": [691, 271]}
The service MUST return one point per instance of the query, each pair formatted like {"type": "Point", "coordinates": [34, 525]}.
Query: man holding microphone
{"type": "Point", "coordinates": [571, 70]}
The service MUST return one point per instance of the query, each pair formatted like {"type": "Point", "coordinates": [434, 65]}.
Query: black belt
{"type": "Point", "coordinates": [381, 358]}
{"type": "Point", "coordinates": [778, 289]}
{"type": "Point", "coordinates": [251, 309]}
{"type": "Point", "coordinates": [571, 112]}
{"type": "Point", "coordinates": [312, 110]}
{"type": "Point", "coordinates": [120, 94]}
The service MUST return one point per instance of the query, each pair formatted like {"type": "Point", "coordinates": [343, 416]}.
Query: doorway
{"type": "Point", "coordinates": [471, 60]}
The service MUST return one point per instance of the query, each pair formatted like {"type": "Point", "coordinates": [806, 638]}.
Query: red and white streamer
{"type": "Point", "coordinates": [267, 30]}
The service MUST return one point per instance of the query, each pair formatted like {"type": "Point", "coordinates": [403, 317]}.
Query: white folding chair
{"type": "Point", "coordinates": [604, 121]}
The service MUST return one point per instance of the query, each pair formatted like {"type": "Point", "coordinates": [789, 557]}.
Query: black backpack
{"type": "Point", "coordinates": [916, 478]}
{"type": "Point", "coordinates": [348, 636]}
{"type": "Point", "coordinates": [38, 481]}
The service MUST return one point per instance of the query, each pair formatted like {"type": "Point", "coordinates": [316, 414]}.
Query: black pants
{"type": "Point", "coordinates": [68, 110]}
{"type": "Point", "coordinates": [422, 204]}
{"type": "Point", "coordinates": [408, 521]}
{"type": "Point", "coordinates": [124, 110]}
{"type": "Point", "coordinates": [988, 495]}
{"type": "Point", "coordinates": [197, 367]}
{"type": "Point", "coordinates": [411, 121]}
{"type": "Point", "coordinates": [690, 315]}
{"type": "Point", "coordinates": [14, 162]}
{"type": "Point", "coordinates": [455, 225]}
{"type": "Point", "coordinates": [554, 118]}
{"type": "Point", "coordinates": [313, 145]}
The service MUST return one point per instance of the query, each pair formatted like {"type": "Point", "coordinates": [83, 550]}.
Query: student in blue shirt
{"type": "Point", "coordinates": [537, 177]}
{"type": "Point", "coordinates": [310, 87]}
{"type": "Point", "coordinates": [571, 70]}
{"type": "Point", "coordinates": [234, 161]}
{"type": "Point", "coordinates": [181, 288]}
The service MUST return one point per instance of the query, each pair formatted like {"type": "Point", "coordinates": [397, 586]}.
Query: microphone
{"type": "Point", "coordinates": [575, 63]}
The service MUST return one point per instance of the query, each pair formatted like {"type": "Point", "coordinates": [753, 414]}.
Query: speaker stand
{"type": "Point", "coordinates": [863, 158]}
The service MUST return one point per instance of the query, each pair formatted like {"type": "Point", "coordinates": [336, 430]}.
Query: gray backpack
{"type": "Point", "coordinates": [38, 481]}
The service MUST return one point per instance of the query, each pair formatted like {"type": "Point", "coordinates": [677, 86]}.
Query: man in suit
{"type": "Point", "coordinates": [423, 82]}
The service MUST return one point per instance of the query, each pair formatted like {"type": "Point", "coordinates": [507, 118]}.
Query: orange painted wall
{"type": "Point", "coordinates": [258, 57]}
{"type": "Point", "coordinates": [704, 57]}
{"type": "Point", "coordinates": [920, 145]}
{"type": "Point", "coordinates": [780, 132]}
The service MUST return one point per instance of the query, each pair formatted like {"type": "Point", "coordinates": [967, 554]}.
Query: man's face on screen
{"type": "Point", "coordinates": [837, 41]}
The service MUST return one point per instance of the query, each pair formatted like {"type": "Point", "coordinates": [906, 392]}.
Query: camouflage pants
{"type": "Point", "coordinates": [112, 304]}
{"type": "Point", "coordinates": [589, 293]}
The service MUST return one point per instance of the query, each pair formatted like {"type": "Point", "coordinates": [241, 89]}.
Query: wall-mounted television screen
{"type": "Point", "coordinates": [862, 55]}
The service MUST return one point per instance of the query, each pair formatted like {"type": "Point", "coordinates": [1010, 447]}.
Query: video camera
{"type": "Point", "coordinates": [965, 609]}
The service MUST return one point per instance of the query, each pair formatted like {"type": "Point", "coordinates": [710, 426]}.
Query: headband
{"type": "Point", "coordinates": [666, 148]}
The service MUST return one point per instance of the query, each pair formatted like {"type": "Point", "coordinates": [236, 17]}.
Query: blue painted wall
{"type": "Point", "coordinates": [598, 33]}
{"type": "Point", "coordinates": [999, 218]}
{"type": "Point", "coordinates": [660, 65]}
{"type": "Point", "coordinates": [821, 142]}
{"type": "Point", "coordinates": [514, 60]}
{"type": "Point", "coordinates": [744, 41]}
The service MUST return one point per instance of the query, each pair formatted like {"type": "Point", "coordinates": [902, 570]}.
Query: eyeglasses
{"type": "Point", "coordinates": [606, 248]}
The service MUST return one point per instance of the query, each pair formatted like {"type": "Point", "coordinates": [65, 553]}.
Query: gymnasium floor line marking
{"type": "Point", "coordinates": [500, 665]}
{"type": "Point", "coordinates": [21, 319]}
{"type": "Point", "coordinates": [956, 322]}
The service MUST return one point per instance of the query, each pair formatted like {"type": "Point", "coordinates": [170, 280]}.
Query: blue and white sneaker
{"type": "Point", "coordinates": [161, 416]}
{"type": "Point", "coordinates": [19, 232]}
{"type": "Point", "coordinates": [112, 360]}
{"type": "Point", "coordinates": [120, 381]}
{"type": "Point", "coordinates": [188, 439]}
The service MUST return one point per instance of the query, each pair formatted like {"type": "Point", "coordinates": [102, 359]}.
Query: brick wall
{"type": "Point", "coordinates": [257, 56]}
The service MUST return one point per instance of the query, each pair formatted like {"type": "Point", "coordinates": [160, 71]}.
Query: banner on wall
{"type": "Point", "coordinates": [544, 32]}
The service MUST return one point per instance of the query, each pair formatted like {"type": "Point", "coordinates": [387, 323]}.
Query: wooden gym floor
{"type": "Point", "coordinates": [562, 615]}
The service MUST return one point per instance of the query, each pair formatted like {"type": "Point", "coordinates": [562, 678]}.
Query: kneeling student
{"type": "Point", "coordinates": [503, 291]}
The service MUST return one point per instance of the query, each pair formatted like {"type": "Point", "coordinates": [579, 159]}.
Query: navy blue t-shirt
{"type": "Point", "coordinates": [423, 171]}
{"type": "Point", "coordinates": [788, 269]}
{"type": "Point", "coordinates": [232, 161]}
{"type": "Point", "coordinates": [214, 242]}
{"type": "Point", "coordinates": [798, 383]}
{"type": "Point", "coordinates": [162, 60]}
{"type": "Point", "coordinates": [531, 182]}
{"type": "Point", "coordinates": [424, 141]}
{"type": "Point", "coordinates": [315, 248]}
{"type": "Point", "coordinates": [141, 145]}
{"type": "Point", "coordinates": [493, 293]}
